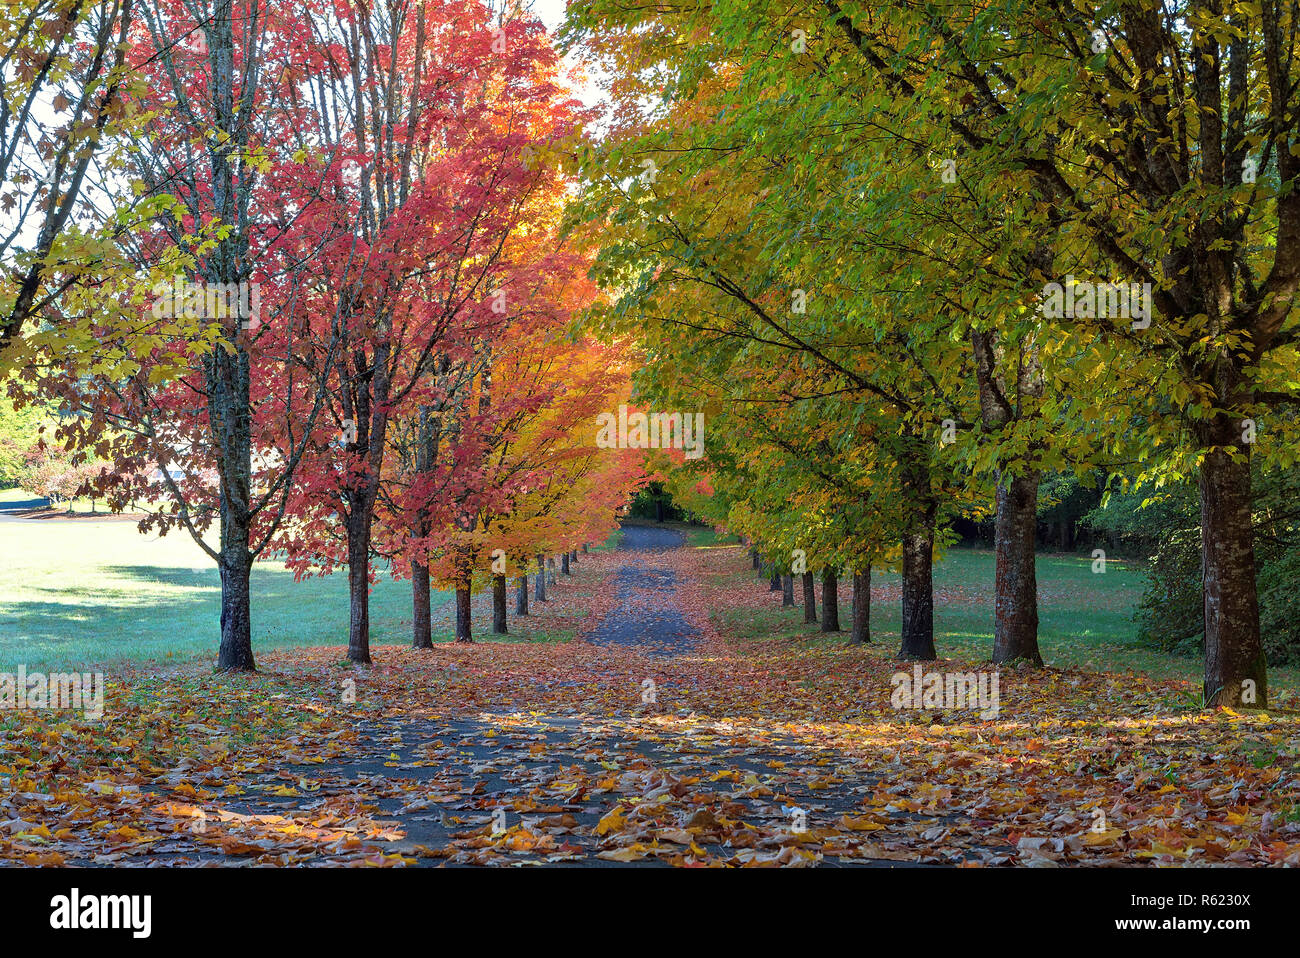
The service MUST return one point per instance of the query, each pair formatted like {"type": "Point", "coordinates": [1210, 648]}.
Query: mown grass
{"type": "Point", "coordinates": [702, 537]}
{"type": "Point", "coordinates": [1085, 618]}
{"type": "Point", "coordinates": [82, 591]}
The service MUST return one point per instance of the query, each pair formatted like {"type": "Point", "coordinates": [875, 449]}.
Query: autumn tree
{"type": "Point", "coordinates": [65, 72]}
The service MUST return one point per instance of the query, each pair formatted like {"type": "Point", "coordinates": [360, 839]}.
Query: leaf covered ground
{"type": "Point", "coordinates": [653, 738]}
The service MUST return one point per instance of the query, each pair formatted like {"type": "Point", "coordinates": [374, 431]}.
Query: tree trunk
{"type": "Point", "coordinates": [550, 571]}
{"type": "Point", "coordinates": [861, 631]}
{"type": "Point", "coordinates": [775, 585]}
{"type": "Point", "coordinates": [236, 652]}
{"type": "Point", "coordinates": [358, 528]}
{"type": "Point", "coordinates": [787, 590]}
{"type": "Point", "coordinates": [521, 595]}
{"type": "Point", "coordinates": [753, 555]}
{"type": "Point", "coordinates": [1015, 616]}
{"type": "Point", "coordinates": [428, 438]}
{"type": "Point", "coordinates": [564, 563]}
{"type": "Point", "coordinates": [809, 598]}
{"type": "Point", "coordinates": [540, 589]}
{"type": "Point", "coordinates": [463, 598]}
{"type": "Point", "coordinates": [830, 601]}
{"type": "Point", "coordinates": [659, 510]}
{"type": "Point", "coordinates": [499, 604]}
{"type": "Point", "coordinates": [918, 595]}
{"type": "Point", "coordinates": [228, 378]}
{"type": "Point", "coordinates": [1234, 660]}
{"type": "Point", "coordinates": [422, 626]}
{"type": "Point", "coordinates": [573, 556]}
{"type": "Point", "coordinates": [584, 548]}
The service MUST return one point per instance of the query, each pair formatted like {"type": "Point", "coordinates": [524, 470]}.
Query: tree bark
{"type": "Point", "coordinates": [775, 585]}
{"type": "Point", "coordinates": [753, 555]}
{"type": "Point", "coordinates": [1015, 616]}
{"type": "Point", "coordinates": [463, 598]}
{"type": "Point", "coordinates": [787, 590]}
{"type": "Point", "coordinates": [229, 410]}
{"type": "Point", "coordinates": [358, 529]}
{"type": "Point", "coordinates": [1015, 527]}
{"type": "Point", "coordinates": [809, 598]}
{"type": "Point", "coordinates": [1234, 658]}
{"type": "Point", "coordinates": [861, 629]}
{"type": "Point", "coordinates": [830, 601]}
{"type": "Point", "coordinates": [428, 437]}
{"type": "Point", "coordinates": [564, 563]}
{"type": "Point", "coordinates": [499, 604]}
{"type": "Point", "coordinates": [422, 625]}
{"type": "Point", "coordinates": [918, 596]}
{"type": "Point", "coordinates": [540, 590]}
{"type": "Point", "coordinates": [917, 639]}
{"type": "Point", "coordinates": [236, 651]}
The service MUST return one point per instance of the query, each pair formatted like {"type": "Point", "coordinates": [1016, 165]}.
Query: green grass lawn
{"type": "Point", "coordinates": [1085, 619]}
{"type": "Point", "coordinates": [703, 537]}
{"type": "Point", "coordinates": [79, 591]}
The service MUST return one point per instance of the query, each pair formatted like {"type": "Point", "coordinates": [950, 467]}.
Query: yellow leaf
{"type": "Point", "coordinates": [611, 822]}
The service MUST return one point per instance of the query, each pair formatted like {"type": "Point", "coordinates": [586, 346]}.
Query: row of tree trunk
{"type": "Point", "coordinates": [423, 632]}
{"type": "Point", "coordinates": [860, 629]}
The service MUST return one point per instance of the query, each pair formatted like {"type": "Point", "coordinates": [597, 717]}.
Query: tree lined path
{"type": "Point", "coordinates": [767, 752]}
{"type": "Point", "coordinates": [646, 613]}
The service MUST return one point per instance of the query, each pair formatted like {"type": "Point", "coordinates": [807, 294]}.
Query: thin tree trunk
{"type": "Point", "coordinates": [428, 438]}
{"type": "Point", "coordinates": [422, 625]}
{"type": "Point", "coordinates": [521, 595]}
{"type": "Point", "coordinates": [463, 607]}
{"type": "Point", "coordinates": [758, 563]}
{"type": "Point", "coordinates": [228, 377]}
{"type": "Point", "coordinates": [499, 604]}
{"type": "Point", "coordinates": [564, 563]}
{"type": "Point", "coordinates": [861, 630]}
{"type": "Point", "coordinates": [584, 548]}
{"type": "Point", "coordinates": [830, 601]}
{"type": "Point", "coordinates": [775, 585]}
{"type": "Point", "coordinates": [1015, 616]}
{"type": "Point", "coordinates": [1015, 530]}
{"type": "Point", "coordinates": [358, 529]}
{"type": "Point", "coordinates": [540, 590]}
{"type": "Point", "coordinates": [809, 598]}
{"type": "Point", "coordinates": [787, 590]}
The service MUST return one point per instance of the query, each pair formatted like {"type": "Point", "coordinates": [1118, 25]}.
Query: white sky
{"type": "Point", "coordinates": [551, 13]}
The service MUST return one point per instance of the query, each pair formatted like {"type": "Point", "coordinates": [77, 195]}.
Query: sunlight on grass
{"type": "Point", "coordinates": [76, 591]}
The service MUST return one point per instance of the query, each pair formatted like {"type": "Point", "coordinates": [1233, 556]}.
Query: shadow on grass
{"type": "Point", "coordinates": [138, 612]}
